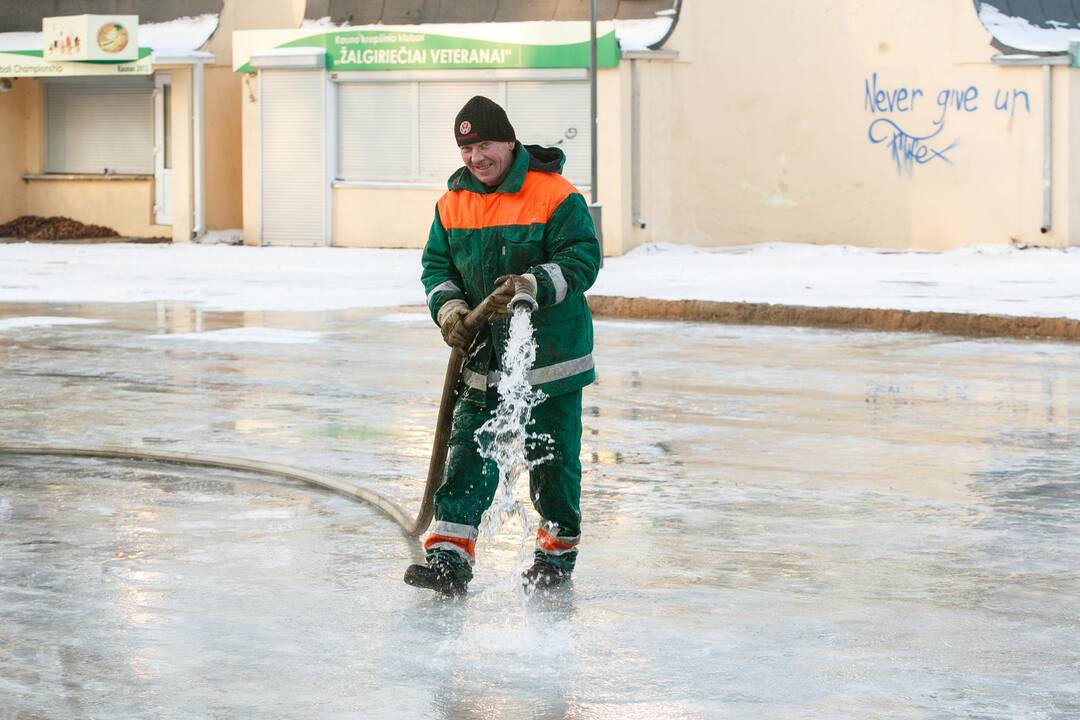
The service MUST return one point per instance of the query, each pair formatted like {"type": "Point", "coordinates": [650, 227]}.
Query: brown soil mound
{"type": "Point", "coordinates": [34, 227]}
{"type": "Point", "coordinates": [740, 313]}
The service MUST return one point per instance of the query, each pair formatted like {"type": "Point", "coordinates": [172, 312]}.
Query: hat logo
{"type": "Point", "coordinates": [464, 127]}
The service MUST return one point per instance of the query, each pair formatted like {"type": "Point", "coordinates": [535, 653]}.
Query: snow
{"type": "Point", "coordinates": [232, 236]}
{"type": "Point", "coordinates": [182, 34]}
{"type": "Point", "coordinates": [18, 323]}
{"type": "Point", "coordinates": [641, 34]}
{"type": "Point", "coordinates": [1020, 34]}
{"type": "Point", "coordinates": [995, 279]}
{"type": "Point", "coordinates": [270, 336]}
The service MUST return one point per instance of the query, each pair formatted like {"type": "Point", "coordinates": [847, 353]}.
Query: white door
{"type": "Point", "coordinates": [295, 181]}
{"type": "Point", "coordinates": [163, 149]}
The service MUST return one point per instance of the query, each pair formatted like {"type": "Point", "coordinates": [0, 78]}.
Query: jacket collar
{"type": "Point", "coordinates": [512, 183]}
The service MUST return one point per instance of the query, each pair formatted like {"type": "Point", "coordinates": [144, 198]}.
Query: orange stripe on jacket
{"type": "Point", "coordinates": [540, 195]}
{"type": "Point", "coordinates": [551, 543]}
{"type": "Point", "coordinates": [468, 546]}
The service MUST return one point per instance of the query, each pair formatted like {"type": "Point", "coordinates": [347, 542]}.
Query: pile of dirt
{"type": "Point", "coordinates": [34, 227]}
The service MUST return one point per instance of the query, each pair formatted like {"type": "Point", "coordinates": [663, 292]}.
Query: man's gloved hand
{"type": "Point", "coordinates": [450, 318]}
{"type": "Point", "coordinates": [511, 286]}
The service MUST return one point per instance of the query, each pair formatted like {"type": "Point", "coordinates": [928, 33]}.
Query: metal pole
{"type": "Point", "coordinates": [594, 206]}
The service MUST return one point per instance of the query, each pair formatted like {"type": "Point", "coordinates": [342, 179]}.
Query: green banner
{"type": "Point", "coordinates": [31, 63]}
{"type": "Point", "coordinates": [374, 50]}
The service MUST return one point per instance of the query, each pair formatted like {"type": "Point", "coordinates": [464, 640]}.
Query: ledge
{"type": "Point", "coordinates": [85, 176]}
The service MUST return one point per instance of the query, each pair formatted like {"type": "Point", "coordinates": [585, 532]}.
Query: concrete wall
{"type": "Point", "coordinates": [224, 157]}
{"type": "Point", "coordinates": [773, 136]}
{"type": "Point", "coordinates": [364, 217]}
{"type": "Point", "coordinates": [13, 144]}
{"type": "Point", "coordinates": [124, 205]}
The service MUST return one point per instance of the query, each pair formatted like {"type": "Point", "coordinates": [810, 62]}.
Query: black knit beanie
{"type": "Point", "coordinates": [482, 119]}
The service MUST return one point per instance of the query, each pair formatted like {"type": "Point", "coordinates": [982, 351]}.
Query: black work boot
{"type": "Point", "coordinates": [543, 575]}
{"type": "Point", "coordinates": [437, 576]}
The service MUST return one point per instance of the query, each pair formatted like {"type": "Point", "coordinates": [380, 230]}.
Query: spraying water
{"type": "Point", "coordinates": [502, 439]}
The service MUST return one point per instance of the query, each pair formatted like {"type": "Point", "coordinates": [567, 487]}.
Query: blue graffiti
{"type": "Point", "coordinates": [908, 150]}
{"type": "Point", "coordinates": [1005, 101]}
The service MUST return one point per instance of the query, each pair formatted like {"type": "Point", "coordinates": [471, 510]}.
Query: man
{"type": "Point", "coordinates": [510, 221]}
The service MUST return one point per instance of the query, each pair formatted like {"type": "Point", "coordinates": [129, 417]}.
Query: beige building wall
{"type": "Point", "coordinates": [225, 97]}
{"type": "Point", "coordinates": [124, 205]}
{"type": "Point", "coordinates": [773, 137]}
{"type": "Point", "coordinates": [13, 148]}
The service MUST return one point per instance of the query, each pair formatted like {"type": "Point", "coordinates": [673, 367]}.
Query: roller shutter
{"type": "Point", "coordinates": [99, 125]}
{"type": "Point", "coordinates": [295, 195]}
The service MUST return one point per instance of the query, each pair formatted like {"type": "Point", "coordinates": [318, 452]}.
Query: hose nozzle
{"type": "Point", "coordinates": [523, 300]}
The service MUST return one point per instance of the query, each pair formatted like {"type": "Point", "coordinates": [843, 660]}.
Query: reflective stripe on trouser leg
{"type": "Point", "coordinates": [467, 489]}
{"type": "Point", "coordinates": [555, 484]}
{"type": "Point", "coordinates": [453, 537]}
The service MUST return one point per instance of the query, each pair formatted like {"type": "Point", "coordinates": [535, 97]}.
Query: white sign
{"type": "Point", "coordinates": [108, 38]}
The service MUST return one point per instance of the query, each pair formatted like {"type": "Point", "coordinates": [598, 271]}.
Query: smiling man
{"type": "Point", "coordinates": [509, 213]}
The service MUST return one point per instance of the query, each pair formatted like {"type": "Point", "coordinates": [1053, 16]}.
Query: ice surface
{"type": "Point", "coordinates": [778, 523]}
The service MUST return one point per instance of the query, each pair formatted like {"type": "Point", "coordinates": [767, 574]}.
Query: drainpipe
{"type": "Point", "coordinates": [197, 140]}
{"type": "Point", "coordinates": [1046, 62]}
{"type": "Point", "coordinates": [1048, 142]}
{"type": "Point", "coordinates": [595, 208]}
{"type": "Point", "coordinates": [635, 145]}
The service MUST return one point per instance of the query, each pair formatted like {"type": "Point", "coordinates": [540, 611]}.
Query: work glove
{"type": "Point", "coordinates": [451, 317]}
{"type": "Point", "coordinates": [515, 288]}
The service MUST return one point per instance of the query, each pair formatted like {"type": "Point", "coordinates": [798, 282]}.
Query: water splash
{"type": "Point", "coordinates": [502, 439]}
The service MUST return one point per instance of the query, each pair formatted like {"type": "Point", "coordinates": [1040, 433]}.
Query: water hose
{"type": "Point", "coordinates": [413, 527]}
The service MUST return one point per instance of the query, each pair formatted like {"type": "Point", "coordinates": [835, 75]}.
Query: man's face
{"type": "Point", "coordinates": [488, 161]}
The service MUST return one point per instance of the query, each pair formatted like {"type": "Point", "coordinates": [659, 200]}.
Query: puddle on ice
{"type": "Point", "coordinates": [778, 524]}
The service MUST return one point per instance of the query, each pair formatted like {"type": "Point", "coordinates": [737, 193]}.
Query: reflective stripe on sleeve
{"type": "Point", "coordinates": [557, 280]}
{"type": "Point", "coordinates": [539, 376]}
{"type": "Point", "coordinates": [447, 286]}
{"type": "Point", "coordinates": [475, 380]}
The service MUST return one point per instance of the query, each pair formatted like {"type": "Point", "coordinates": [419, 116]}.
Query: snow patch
{"type": "Point", "coordinates": [46, 321]}
{"type": "Point", "coordinates": [642, 34]}
{"type": "Point", "coordinates": [1020, 34]}
{"type": "Point", "coordinates": [416, 318]}
{"type": "Point", "coordinates": [234, 236]}
{"type": "Point", "coordinates": [270, 336]}
{"type": "Point", "coordinates": [182, 34]}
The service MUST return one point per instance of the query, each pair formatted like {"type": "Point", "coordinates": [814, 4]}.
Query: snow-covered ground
{"type": "Point", "coordinates": [985, 279]}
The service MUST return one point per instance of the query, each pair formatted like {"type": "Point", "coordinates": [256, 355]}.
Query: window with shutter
{"type": "Point", "coordinates": [99, 125]}
{"type": "Point", "coordinates": [377, 124]}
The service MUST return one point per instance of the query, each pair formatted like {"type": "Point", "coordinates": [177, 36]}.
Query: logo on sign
{"type": "Point", "coordinates": [112, 37]}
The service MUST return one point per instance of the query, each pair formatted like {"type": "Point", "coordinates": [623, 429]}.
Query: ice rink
{"type": "Point", "coordinates": [778, 523]}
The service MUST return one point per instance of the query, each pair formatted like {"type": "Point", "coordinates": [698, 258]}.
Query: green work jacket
{"type": "Point", "coordinates": [534, 222]}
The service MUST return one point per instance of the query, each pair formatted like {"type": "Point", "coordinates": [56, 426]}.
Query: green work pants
{"type": "Point", "coordinates": [554, 485]}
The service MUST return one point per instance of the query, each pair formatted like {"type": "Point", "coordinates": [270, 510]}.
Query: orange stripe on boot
{"type": "Point", "coordinates": [550, 543]}
{"type": "Point", "coordinates": [540, 195]}
{"type": "Point", "coordinates": [468, 546]}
